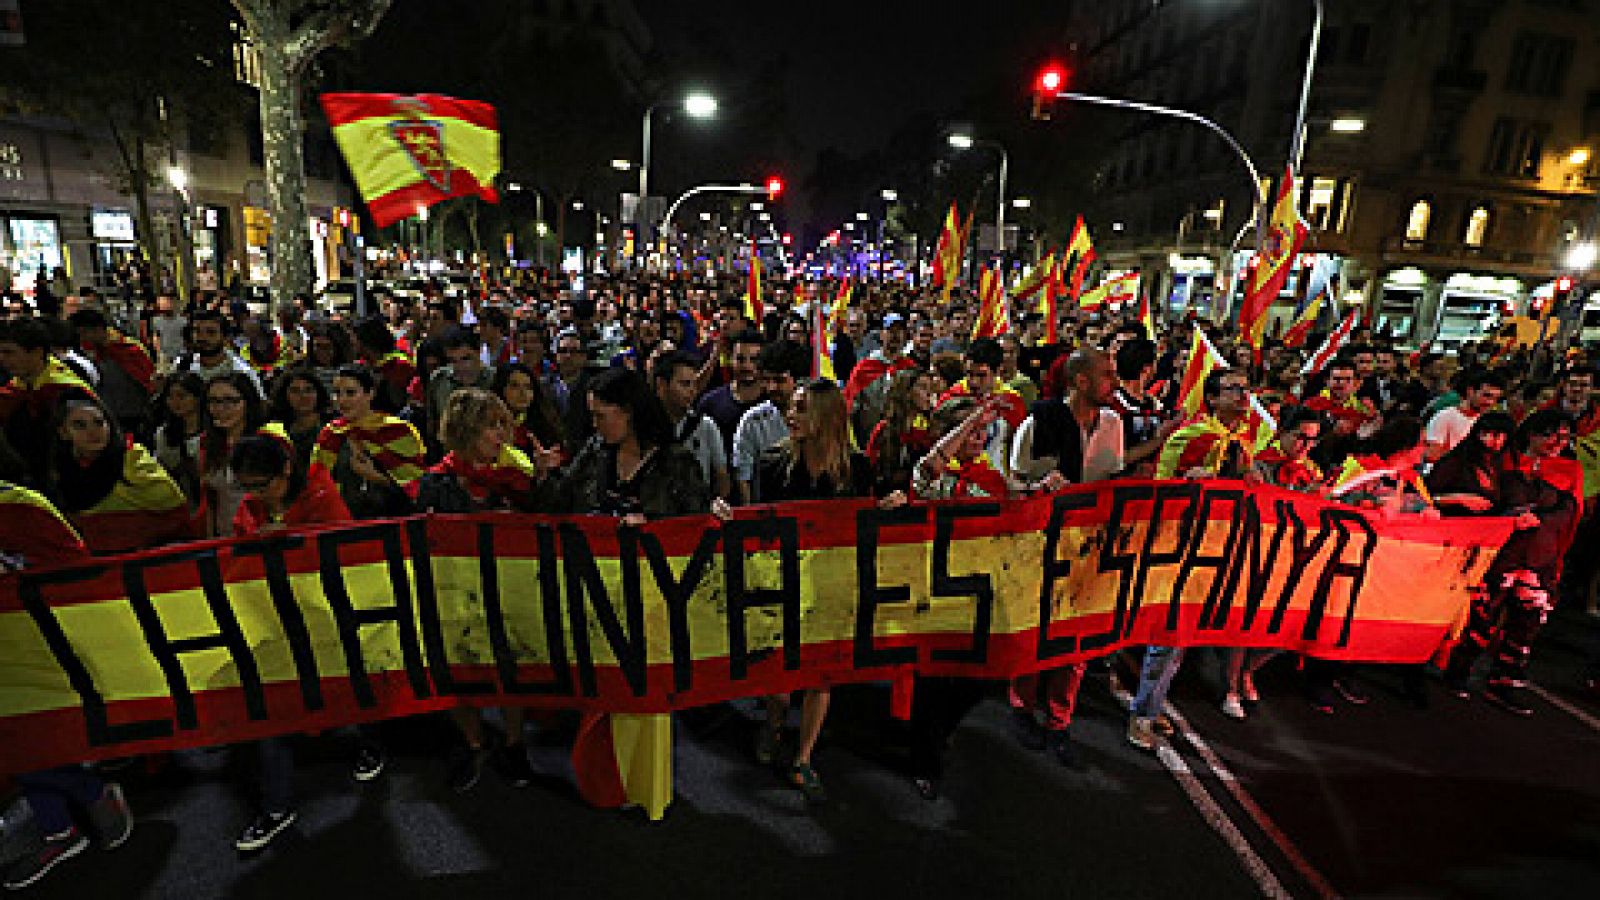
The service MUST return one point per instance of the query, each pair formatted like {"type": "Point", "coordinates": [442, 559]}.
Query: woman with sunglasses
{"type": "Point", "coordinates": [1544, 491]}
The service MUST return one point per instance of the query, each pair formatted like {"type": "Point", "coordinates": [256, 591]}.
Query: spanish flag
{"type": "Point", "coordinates": [1284, 237]}
{"type": "Point", "coordinates": [1319, 282]}
{"type": "Point", "coordinates": [992, 320]}
{"type": "Point", "coordinates": [409, 152]}
{"type": "Point", "coordinates": [1114, 292]}
{"type": "Point", "coordinates": [821, 343]}
{"type": "Point", "coordinates": [947, 255]}
{"type": "Point", "coordinates": [1080, 249]}
{"type": "Point", "coordinates": [1202, 359]}
{"type": "Point", "coordinates": [1146, 318]}
{"type": "Point", "coordinates": [753, 308]}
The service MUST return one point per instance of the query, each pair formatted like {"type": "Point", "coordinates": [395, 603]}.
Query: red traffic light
{"type": "Point", "coordinates": [787, 239]}
{"type": "Point", "coordinates": [1052, 78]}
{"type": "Point", "coordinates": [774, 187]}
{"type": "Point", "coordinates": [1563, 284]}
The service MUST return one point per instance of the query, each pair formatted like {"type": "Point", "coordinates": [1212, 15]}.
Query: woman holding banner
{"type": "Point", "coordinates": [814, 463]}
{"type": "Point", "coordinates": [481, 471]}
{"type": "Point", "coordinates": [630, 468]}
{"type": "Point", "coordinates": [279, 493]}
{"type": "Point", "coordinates": [233, 409]}
{"type": "Point", "coordinates": [114, 491]}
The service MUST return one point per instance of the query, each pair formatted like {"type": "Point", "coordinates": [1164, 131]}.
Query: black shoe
{"type": "Point", "coordinates": [369, 762]}
{"type": "Point", "coordinates": [1508, 697]}
{"type": "Point", "coordinates": [928, 788]}
{"type": "Point", "coordinates": [466, 767]}
{"type": "Point", "coordinates": [267, 826]}
{"type": "Point", "coordinates": [1030, 734]}
{"type": "Point", "coordinates": [55, 850]}
{"type": "Point", "coordinates": [110, 818]}
{"type": "Point", "coordinates": [1321, 700]}
{"type": "Point", "coordinates": [805, 779]}
{"type": "Point", "coordinates": [1065, 752]}
{"type": "Point", "coordinates": [511, 761]}
{"type": "Point", "coordinates": [1351, 691]}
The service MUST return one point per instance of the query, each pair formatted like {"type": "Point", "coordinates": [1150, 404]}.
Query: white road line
{"type": "Point", "coordinates": [1564, 706]}
{"type": "Point", "coordinates": [1216, 816]}
{"type": "Point", "coordinates": [1245, 800]}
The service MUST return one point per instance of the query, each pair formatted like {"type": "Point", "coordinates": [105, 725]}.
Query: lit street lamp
{"type": "Point", "coordinates": [962, 141]}
{"type": "Point", "coordinates": [698, 105]}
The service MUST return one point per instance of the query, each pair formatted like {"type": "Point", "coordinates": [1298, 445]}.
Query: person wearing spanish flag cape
{"type": "Point", "coordinates": [1353, 417]}
{"type": "Point", "coordinates": [39, 382]}
{"type": "Point", "coordinates": [118, 495]}
{"type": "Point", "coordinates": [983, 360]}
{"type": "Point", "coordinates": [371, 455]}
{"type": "Point", "coordinates": [1217, 443]}
{"type": "Point", "coordinates": [1076, 439]}
{"type": "Point", "coordinates": [1545, 492]}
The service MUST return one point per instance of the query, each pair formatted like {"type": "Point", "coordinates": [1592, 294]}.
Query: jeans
{"type": "Point", "coordinates": [275, 769]}
{"type": "Point", "coordinates": [1155, 678]}
{"type": "Point", "coordinates": [52, 792]}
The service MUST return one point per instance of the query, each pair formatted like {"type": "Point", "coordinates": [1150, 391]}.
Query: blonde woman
{"type": "Point", "coordinates": [815, 462]}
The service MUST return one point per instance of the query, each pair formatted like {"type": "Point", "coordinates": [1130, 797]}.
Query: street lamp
{"type": "Point", "coordinates": [889, 195]}
{"type": "Point", "coordinates": [1350, 125]}
{"type": "Point", "coordinates": [697, 104]}
{"type": "Point", "coordinates": [1582, 256]}
{"type": "Point", "coordinates": [1021, 203]}
{"type": "Point", "coordinates": [622, 165]}
{"type": "Point", "coordinates": [963, 141]}
{"type": "Point", "coordinates": [178, 178]}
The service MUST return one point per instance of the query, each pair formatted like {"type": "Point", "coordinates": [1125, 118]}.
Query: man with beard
{"type": "Point", "coordinates": [727, 404]}
{"type": "Point", "coordinates": [782, 365]}
{"type": "Point", "coordinates": [211, 354]}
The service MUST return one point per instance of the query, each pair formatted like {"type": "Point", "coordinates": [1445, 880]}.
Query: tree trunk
{"type": "Point", "coordinates": [472, 225]}
{"type": "Point", "coordinates": [139, 184]}
{"type": "Point", "coordinates": [281, 135]}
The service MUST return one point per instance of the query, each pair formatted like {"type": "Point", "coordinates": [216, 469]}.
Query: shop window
{"type": "Point", "coordinates": [1417, 221]}
{"type": "Point", "coordinates": [1477, 227]}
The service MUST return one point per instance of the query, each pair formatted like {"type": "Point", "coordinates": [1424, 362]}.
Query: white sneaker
{"type": "Point", "coordinates": [1233, 707]}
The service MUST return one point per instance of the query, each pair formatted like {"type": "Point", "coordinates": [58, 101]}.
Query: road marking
{"type": "Point", "coordinates": [1564, 706]}
{"type": "Point", "coordinates": [1217, 818]}
{"type": "Point", "coordinates": [1214, 814]}
{"type": "Point", "coordinates": [1251, 807]}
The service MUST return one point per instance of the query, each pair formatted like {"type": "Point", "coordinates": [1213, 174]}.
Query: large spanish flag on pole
{"type": "Point", "coordinates": [1284, 235]}
{"type": "Point", "coordinates": [409, 152]}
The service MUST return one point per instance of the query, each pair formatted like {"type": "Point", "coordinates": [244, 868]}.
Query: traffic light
{"type": "Point", "coordinates": [1563, 291]}
{"type": "Point", "coordinates": [774, 187]}
{"type": "Point", "coordinates": [787, 239]}
{"type": "Point", "coordinates": [1050, 80]}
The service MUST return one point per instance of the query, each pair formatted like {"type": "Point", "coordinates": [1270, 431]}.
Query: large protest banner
{"type": "Point", "coordinates": [223, 641]}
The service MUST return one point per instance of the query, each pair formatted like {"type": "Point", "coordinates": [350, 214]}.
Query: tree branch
{"type": "Point", "coordinates": [336, 22]}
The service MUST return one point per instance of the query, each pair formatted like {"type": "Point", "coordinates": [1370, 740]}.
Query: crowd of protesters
{"type": "Point", "coordinates": [645, 397]}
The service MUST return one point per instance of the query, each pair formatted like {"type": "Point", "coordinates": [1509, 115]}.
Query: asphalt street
{"type": "Point", "coordinates": [1381, 801]}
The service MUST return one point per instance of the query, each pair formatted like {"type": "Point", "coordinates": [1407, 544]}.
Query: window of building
{"type": "Point", "coordinates": [1516, 147]}
{"type": "Point", "coordinates": [1539, 64]}
{"type": "Point", "coordinates": [1477, 227]}
{"type": "Point", "coordinates": [246, 59]}
{"type": "Point", "coordinates": [1417, 221]}
{"type": "Point", "coordinates": [1321, 201]}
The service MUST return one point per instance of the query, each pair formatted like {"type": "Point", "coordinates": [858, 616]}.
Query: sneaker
{"type": "Point", "coordinates": [267, 826]}
{"type": "Point", "coordinates": [369, 763]}
{"type": "Point", "coordinates": [56, 849]}
{"type": "Point", "coordinates": [1062, 748]}
{"type": "Point", "coordinates": [804, 778]}
{"type": "Point", "coordinates": [1142, 734]}
{"type": "Point", "coordinates": [1351, 692]}
{"type": "Point", "coordinates": [1508, 697]}
{"type": "Point", "coordinates": [768, 740]}
{"type": "Point", "coordinates": [466, 767]}
{"type": "Point", "coordinates": [110, 818]}
{"type": "Point", "coordinates": [511, 761]}
{"type": "Point", "coordinates": [1233, 707]}
{"type": "Point", "coordinates": [1247, 689]}
{"type": "Point", "coordinates": [1030, 734]}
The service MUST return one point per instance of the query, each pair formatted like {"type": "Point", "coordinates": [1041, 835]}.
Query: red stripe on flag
{"type": "Point", "coordinates": [342, 109]}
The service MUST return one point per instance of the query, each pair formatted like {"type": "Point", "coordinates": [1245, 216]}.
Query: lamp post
{"type": "Point", "coordinates": [179, 179]}
{"type": "Point", "coordinates": [962, 141]}
{"type": "Point", "coordinates": [698, 105]}
{"type": "Point", "coordinates": [1297, 141]}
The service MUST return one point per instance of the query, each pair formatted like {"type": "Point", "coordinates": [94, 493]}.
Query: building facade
{"type": "Point", "coordinates": [1449, 171]}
